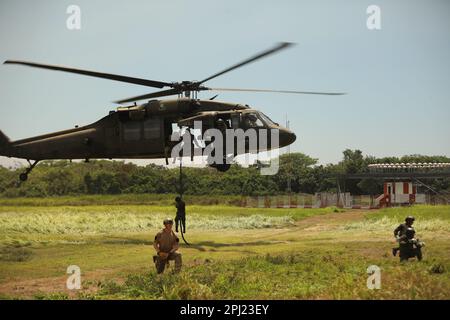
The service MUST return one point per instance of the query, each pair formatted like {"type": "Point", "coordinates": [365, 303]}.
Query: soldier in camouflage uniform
{"type": "Point", "coordinates": [166, 244]}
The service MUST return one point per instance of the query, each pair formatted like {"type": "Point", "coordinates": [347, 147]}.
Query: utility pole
{"type": "Point", "coordinates": [289, 190]}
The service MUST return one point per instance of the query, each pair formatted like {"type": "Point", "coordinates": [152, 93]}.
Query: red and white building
{"type": "Point", "coordinates": [400, 193]}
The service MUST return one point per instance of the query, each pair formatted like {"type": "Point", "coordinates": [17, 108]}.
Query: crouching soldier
{"type": "Point", "coordinates": [400, 232]}
{"type": "Point", "coordinates": [166, 244]}
{"type": "Point", "coordinates": [410, 247]}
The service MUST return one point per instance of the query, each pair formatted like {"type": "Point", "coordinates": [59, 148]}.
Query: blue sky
{"type": "Point", "coordinates": [397, 78]}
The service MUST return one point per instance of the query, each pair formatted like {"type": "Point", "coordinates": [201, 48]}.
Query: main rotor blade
{"type": "Point", "coordinates": [277, 91]}
{"type": "Point", "coordinates": [142, 82]}
{"type": "Point", "coordinates": [265, 53]}
{"type": "Point", "coordinates": [157, 94]}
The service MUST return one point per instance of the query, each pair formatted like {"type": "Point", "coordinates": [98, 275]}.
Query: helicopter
{"type": "Point", "coordinates": [144, 131]}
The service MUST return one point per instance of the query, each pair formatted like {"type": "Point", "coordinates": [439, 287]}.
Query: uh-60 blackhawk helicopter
{"type": "Point", "coordinates": [144, 131]}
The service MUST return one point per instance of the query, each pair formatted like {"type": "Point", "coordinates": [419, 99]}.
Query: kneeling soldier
{"type": "Point", "coordinates": [166, 245]}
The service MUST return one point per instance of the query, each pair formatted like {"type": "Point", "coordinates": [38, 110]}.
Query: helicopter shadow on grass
{"type": "Point", "coordinates": [127, 241]}
{"type": "Point", "coordinates": [200, 246]}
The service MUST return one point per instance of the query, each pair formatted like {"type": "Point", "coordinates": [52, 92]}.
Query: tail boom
{"type": "Point", "coordinates": [4, 143]}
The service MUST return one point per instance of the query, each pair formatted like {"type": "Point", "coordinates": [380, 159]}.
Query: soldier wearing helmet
{"type": "Point", "coordinates": [221, 125]}
{"type": "Point", "coordinates": [250, 121]}
{"type": "Point", "coordinates": [166, 244]}
{"type": "Point", "coordinates": [401, 229]}
{"type": "Point", "coordinates": [409, 246]}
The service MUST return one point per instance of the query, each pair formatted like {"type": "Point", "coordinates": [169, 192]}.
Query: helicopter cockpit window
{"type": "Point", "coordinates": [251, 120]}
{"type": "Point", "coordinates": [267, 120]}
{"type": "Point", "coordinates": [235, 121]}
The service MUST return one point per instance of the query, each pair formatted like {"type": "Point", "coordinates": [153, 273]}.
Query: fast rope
{"type": "Point", "coordinates": [182, 225]}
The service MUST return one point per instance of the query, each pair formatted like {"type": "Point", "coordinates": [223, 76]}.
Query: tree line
{"type": "Point", "coordinates": [298, 173]}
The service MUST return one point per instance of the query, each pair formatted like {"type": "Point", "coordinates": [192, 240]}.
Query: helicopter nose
{"type": "Point", "coordinates": [287, 137]}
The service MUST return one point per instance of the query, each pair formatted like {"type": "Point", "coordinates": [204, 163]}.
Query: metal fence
{"type": "Point", "coordinates": [343, 200]}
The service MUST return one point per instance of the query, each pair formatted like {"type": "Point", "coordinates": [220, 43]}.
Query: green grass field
{"type": "Point", "coordinates": [241, 253]}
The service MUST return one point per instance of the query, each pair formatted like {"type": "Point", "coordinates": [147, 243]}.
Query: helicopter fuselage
{"type": "Point", "coordinates": [142, 131]}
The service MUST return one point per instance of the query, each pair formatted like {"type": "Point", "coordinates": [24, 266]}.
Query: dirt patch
{"type": "Point", "coordinates": [29, 289]}
{"type": "Point", "coordinates": [330, 221]}
{"type": "Point", "coordinates": [15, 254]}
{"type": "Point", "coordinates": [312, 225]}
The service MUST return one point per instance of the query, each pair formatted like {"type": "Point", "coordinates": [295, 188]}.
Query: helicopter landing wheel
{"type": "Point", "coordinates": [223, 167]}
{"type": "Point", "coordinates": [24, 176]}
